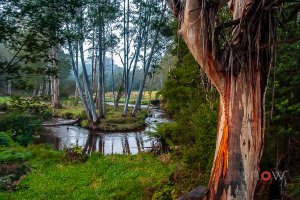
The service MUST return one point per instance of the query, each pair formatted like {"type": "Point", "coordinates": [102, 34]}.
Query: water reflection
{"type": "Point", "coordinates": [105, 143]}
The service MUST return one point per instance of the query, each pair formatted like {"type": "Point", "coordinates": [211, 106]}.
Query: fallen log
{"type": "Point", "coordinates": [63, 123]}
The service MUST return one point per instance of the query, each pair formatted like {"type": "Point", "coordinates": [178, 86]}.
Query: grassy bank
{"type": "Point", "coordinates": [147, 96]}
{"type": "Point", "coordinates": [100, 177]}
{"type": "Point", "coordinates": [113, 121]}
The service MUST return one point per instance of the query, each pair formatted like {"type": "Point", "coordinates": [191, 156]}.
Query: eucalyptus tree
{"type": "Point", "coordinates": [29, 29]}
{"type": "Point", "coordinates": [155, 18]}
{"type": "Point", "coordinates": [107, 13]}
{"type": "Point", "coordinates": [237, 60]}
{"type": "Point", "coordinates": [139, 23]}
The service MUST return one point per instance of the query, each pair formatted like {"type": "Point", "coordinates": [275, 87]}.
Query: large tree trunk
{"type": "Point", "coordinates": [241, 79]}
{"type": "Point", "coordinates": [239, 139]}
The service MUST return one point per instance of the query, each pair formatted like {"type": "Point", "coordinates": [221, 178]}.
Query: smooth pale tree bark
{"type": "Point", "coordinates": [48, 86]}
{"type": "Point", "coordinates": [100, 71]}
{"type": "Point", "coordinates": [54, 81]}
{"type": "Point", "coordinates": [125, 31]}
{"type": "Point", "coordinates": [147, 65]}
{"type": "Point", "coordinates": [113, 77]}
{"type": "Point", "coordinates": [76, 66]}
{"type": "Point", "coordinates": [41, 88]}
{"type": "Point", "coordinates": [241, 83]}
{"type": "Point", "coordinates": [103, 78]}
{"type": "Point", "coordinates": [9, 91]}
{"type": "Point", "coordinates": [137, 105]}
{"type": "Point", "coordinates": [136, 58]}
{"type": "Point", "coordinates": [78, 83]}
{"type": "Point", "coordinates": [87, 86]}
{"type": "Point", "coordinates": [93, 62]}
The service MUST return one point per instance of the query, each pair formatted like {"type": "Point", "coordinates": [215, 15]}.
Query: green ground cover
{"type": "Point", "coordinates": [100, 177]}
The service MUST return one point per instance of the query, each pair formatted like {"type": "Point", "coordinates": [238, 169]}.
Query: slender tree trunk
{"type": "Point", "coordinates": [125, 49]}
{"type": "Point", "coordinates": [93, 61]}
{"type": "Point", "coordinates": [113, 78]}
{"type": "Point", "coordinates": [87, 86]}
{"type": "Point", "coordinates": [132, 76]}
{"type": "Point", "coordinates": [54, 82]}
{"type": "Point", "coordinates": [78, 84]}
{"type": "Point", "coordinates": [103, 79]}
{"type": "Point", "coordinates": [100, 72]}
{"type": "Point", "coordinates": [35, 89]}
{"type": "Point", "coordinates": [48, 86]}
{"type": "Point", "coordinates": [9, 91]}
{"type": "Point", "coordinates": [76, 66]}
{"type": "Point", "coordinates": [142, 85]}
{"type": "Point", "coordinates": [119, 93]}
{"type": "Point", "coordinates": [41, 88]}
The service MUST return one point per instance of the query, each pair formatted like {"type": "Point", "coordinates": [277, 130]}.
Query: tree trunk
{"type": "Point", "coordinates": [142, 85]}
{"type": "Point", "coordinates": [239, 139]}
{"type": "Point", "coordinates": [54, 82]}
{"type": "Point", "coordinates": [241, 81]}
{"type": "Point", "coordinates": [100, 70]}
{"type": "Point", "coordinates": [87, 86]}
{"type": "Point", "coordinates": [78, 84]}
{"type": "Point", "coordinates": [103, 79]}
{"type": "Point", "coordinates": [113, 79]}
{"type": "Point", "coordinates": [136, 58]}
{"type": "Point", "coordinates": [77, 69]}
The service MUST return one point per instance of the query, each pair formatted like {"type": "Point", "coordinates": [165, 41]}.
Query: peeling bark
{"type": "Point", "coordinates": [241, 79]}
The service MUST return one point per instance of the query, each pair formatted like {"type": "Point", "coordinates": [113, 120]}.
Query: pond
{"type": "Point", "coordinates": [133, 142]}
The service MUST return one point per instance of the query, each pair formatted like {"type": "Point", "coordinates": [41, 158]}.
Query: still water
{"type": "Point", "coordinates": [105, 143]}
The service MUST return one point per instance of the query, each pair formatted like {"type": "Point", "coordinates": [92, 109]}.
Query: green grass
{"type": "Point", "coordinates": [69, 112]}
{"type": "Point", "coordinates": [101, 177]}
{"type": "Point", "coordinates": [113, 121]}
{"type": "Point", "coordinates": [4, 99]}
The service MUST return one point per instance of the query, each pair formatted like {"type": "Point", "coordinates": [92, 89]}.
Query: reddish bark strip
{"type": "Point", "coordinates": [241, 80]}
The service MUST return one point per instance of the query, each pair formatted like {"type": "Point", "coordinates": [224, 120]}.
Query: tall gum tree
{"type": "Point", "coordinates": [240, 72]}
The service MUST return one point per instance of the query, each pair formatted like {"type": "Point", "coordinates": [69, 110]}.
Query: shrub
{"type": "Point", "coordinates": [75, 154]}
{"type": "Point", "coordinates": [22, 126]}
{"type": "Point", "coordinates": [32, 106]}
{"type": "Point", "coordinates": [84, 123]}
{"type": "Point", "coordinates": [294, 188]}
{"type": "Point", "coordinates": [10, 156]}
{"type": "Point", "coordinates": [166, 191]}
{"type": "Point", "coordinates": [5, 139]}
{"type": "Point", "coordinates": [12, 167]}
{"type": "Point", "coordinates": [163, 137]}
{"type": "Point", "coordinates": [3, 107]}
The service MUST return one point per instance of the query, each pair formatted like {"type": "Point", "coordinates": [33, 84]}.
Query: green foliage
{"type": "Point", "coordinates": [3, 107]}
{"type": "Point", "coordinates": [21, 126]}
{"type": "Point", "coordinates": [186, 95]}
{"type": "Point", "coordinates": [163, 136]}
{"type": "Point", "coordinates": [166, 192]}
{"type": "Point", "coordinates": [5, 139]}
{"type": "Point", "coordinates": [32, 106]}
{"type": "Point", "coordinates": [84, 123]}
{"type": "Point", "coordinates": [10, 156]}
{"type": "Point", "coordinates": [294, 188]}
{"type": "Point", "coordinates": [75, 154]}
{"type": "Point", "coordinates": [4, 99]}
{"type": "Point", "coordinates": [283, 111]}
{"type": "Point", "coordinates": [100, 177]}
